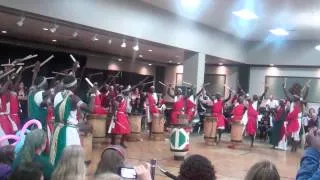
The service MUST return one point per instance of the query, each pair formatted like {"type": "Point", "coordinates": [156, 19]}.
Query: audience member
{"type": "Point", "coordinates": [71, 166]}
{"type": "Point", "coordinates": [263, 170]}
{"type": "Point", "coordinates": [107, 176]}
{"type": "Point", "coordinates": [196, 167]}
{"type": "Point", "coordinates": [310, 161]}
{"type": "Point", "coordinates": [27, 171]}
{"type": "Point", "coordinates": [6, 159]}
{"type": "Point", "coordinates": [31, 151]}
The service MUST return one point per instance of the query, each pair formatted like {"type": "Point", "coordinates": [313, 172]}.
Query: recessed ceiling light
{"type": "Point", "coordinates": [245, 14]}
{"type": "Point", "coordinates": [95, 37]}
{"type": "Point", "coordinates": [109, 41]}
{"type": "Point", "coordinates": [136, 47]}
{"type": "Point", "coordinates": [21, 21]}
{"type": "Point", "coordinates": [170, 61]}
{"type": "Point", "coordinates": [220, 64]}
{"type": "Point", "coordinates": [271, 64]}
{"type": "Point", "coordinates": [54, 40]}
{"type": "Point", "coordinates": [4, 32]}
{"type": "Point", "coordinates": [150, 50]}
{"type": "Point", "coordinates": [54, 28]}
{"type": "Point", "coordinates": [124, 44]}
{"type": "Point", "coordinates": [149, 64]}
{"type": "Point", "coordinates": [119, 59]}
{"type": "Point", "coordinates": [190, 3]}
{"type": "Point", "coordinates": [317, 47]}
{"type": "Point", "coordinates": [75, 34]}
{"type": "Point", "coordinates": [140, 55]}
{"type": "Point", "coordinates": [45, 29]}
{"type": "Point", "coordinates": [178, 62]}
{"type": "Point", "coordinates": [279, 32]}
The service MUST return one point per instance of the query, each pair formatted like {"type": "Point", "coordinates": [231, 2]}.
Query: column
{"type": "Point", "coordinates": [194, 69]}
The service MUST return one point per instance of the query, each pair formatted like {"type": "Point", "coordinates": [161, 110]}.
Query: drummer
{"type": "Point", "coordinates": [178, 106]}
{"type": "Point", "coordinates": [151, 102]}
{"type": "Point", "coordinates": [95, 101]}
{"type": "Point", "coordinates": [190, 104]}
{"type": "Point", "coordinates": [237, 113]}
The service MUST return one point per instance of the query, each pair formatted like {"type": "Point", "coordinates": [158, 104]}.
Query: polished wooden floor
{"type": "Point", "coordinates": [230, 164]}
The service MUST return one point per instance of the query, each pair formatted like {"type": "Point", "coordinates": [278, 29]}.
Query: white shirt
{"type": "Point", "coordinates": [272, 104]}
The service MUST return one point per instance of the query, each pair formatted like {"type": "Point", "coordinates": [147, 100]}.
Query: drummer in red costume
{"type": "Point", "coordinates": [178, 106]}
{"type": "Point", "coordinates": [7, 124]}
{"type": "Point", "coordinates": [151, 102]}
{"type": "Point", "coordinates": [251, 127]}
{"type": "Point", "coordinates": [121, 124]}
{"type": "Point", "coordinates": [96, 102]}
{"type": "Point", "coordinates": [293, 127]}
{"type": "Point", "coordinates": [237, 113]}
{"type": "Point", "coordinates": [190, 104]}
{"type": "Point", "coordinates": [217, 112]}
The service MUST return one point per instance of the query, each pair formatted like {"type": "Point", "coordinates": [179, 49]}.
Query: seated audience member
{"type": "Point", "coordinates": [196, 167]}
{"type": "Point", "coordinates": [71, 166]}
{"type": "Point", "coordinates": [263, 170]}
{"type": "Point", "coordinates": [309, 164]}
{"type": "Point", "coordinates": [31, 151]}
{"type": "Point", "coordinates": [6, 159]}
{"type": "Point", "coordinates": [113, 158]}
{"type": "Point", "coordinates": [27, 171]}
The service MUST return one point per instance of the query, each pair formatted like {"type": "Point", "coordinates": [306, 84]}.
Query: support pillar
{"type": "Point", "coordinates": [194, 69]}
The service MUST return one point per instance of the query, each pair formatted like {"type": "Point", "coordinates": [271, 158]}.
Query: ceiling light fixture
{"type": "Point", "coordinates": [21, 21]}
{"type": "Point", "coordinates": [45, 29]}
{"type": "Point", "coordinates": [220, 64]}
{"type": "Point", "coordinates": [54, 40]}
{"type": "Point", "coordinates": [178, 62]}
{"type": "Point", "coordinates": [109, 41]}
{"type": "Point", "coordinates": [140, 55]}
{"type": "Point", "coordinates": [136, 47]}
{"type": "Point", "coordinates": [150, 50]}
{"type": "Point", "coordinates": [279, 32]}
{"type": "Point", "coordinates": [4, 32]}
{"type": "Point", "coordinates": [119, 59]}
{"type": "Point", "coordinates": [245, 14]}
{"type": "Point", "coordinates": [271, 64]}
{"type": "Point", "coordinates": [95, 37]}
{"type": "Point", "coordinates": [317, 47]}
{"type": "Point", "coordinates": [54, 28]}
{"type": "Point", "coordinates": [124, 44]}
{"type": "Point", "coordinates": [170, 61]}
{"type": "Point", "coordinates": [190, 3]}
{"type": "Point", "coordinates": [149, 64]}
{"type": "Point", "coordinates": [75, 34]}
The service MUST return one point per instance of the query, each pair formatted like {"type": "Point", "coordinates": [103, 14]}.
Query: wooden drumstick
{"type": "Point", "coordinates": [47, 60]}
{"type": "Point", "coordinates": [7, 73]}
{"type": "Point", "coordinates": [187, 83]}
{"type": "Point", "coordinates": [163, 84]}
{"type": "Point", "coordinates": [74, 60]}
{"type": "Point", "coordinates": [89, 82]}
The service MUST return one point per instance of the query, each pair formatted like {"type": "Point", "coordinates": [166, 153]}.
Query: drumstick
{"type": "Point", "coordinates": [187, 83]}
{"type": "Point", "coordinates": [74, 60]}
{"type": "Point", "coordinates": [163, 84]}
{"type": "Point", "coordinates": [59, 73]}
{"type": "Point", "coordinates": [47, 60]}
{"type": "Point", "coordinates": [89, 82]}
{"type": "Point", "coordinates": [24, 59]}
{"type": "Point", "coordinates": [285, 82]}
{"type": "Point", "coordinates": [50, 77]}
{"type": "Point", "coordinates": [147, 83]}
{"type": "Point", "coordinates": [7, 73]}
{"type": "Point", "coordinates": [19, 69]}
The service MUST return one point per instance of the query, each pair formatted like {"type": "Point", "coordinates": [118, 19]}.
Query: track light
{"type": "Point", "coordinates": [140, 56]}
{"type": "Point", "coordinates": [54, 28]}
{"type": "Point", "coordinates": [75, 34]}
{"type": "Point", "coordinates": [95, 38]}
{"type": "Point", "coordinates": [124, 44]}
{"type": "Point", "coordinates": [109, 41]}
{"type": "Point", "coordinates": [21, 21]}
{"type": "Point", "coordinates": [136, 47]}
{"type": "Point", "coordinates": [4, 32]}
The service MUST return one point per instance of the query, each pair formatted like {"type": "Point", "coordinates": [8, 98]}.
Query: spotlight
{"type": "Point", "coordinates": [4, 32]}
{"type": "Point", "coordinates": [45, 29]}
{"type": "Point", "coordinates": [75, 34]}
{"type": "Point", "coordinates": [149, 64]}
{"type": "Point", "coordinates": [54, 28]}
{"type": "Point", "coordinates": [279, 32]}
{"type": "Point", "coordinates": [136, 47]}
{"type": "Point", "coordinates": [54, 40]}
{"type": "Point", "coordinates": [220, 64]}
{"type": "Point", "coordinates": [21, 21]}
{"type": "Point", "coordinates": [190, 4]}
{"type": "Point", "coordinates": [119, 59]}
{"type": "Point", "coordinates": [317, 47]}
{"type": "Point", "coordinates": [109, 41]}
{"type": "Point", "coordinates": [140, 56]}
{"type": "Point", "coordinates": [124, 44]}
{"type": "Point", "coordinates": [170, 61]}
{"type": "Point", "coordinates": [245, 14]}
{"type": "Point", "coordinates": [95, 38]}
{"type": "Point", "coordinates": [150, 50]}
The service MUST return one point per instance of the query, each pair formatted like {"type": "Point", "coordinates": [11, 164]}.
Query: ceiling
{"type": "Point", "coordinates": [300, 17]}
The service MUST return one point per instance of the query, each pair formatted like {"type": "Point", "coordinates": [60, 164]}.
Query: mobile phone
{"type": "Point", "coordinates": [153, 163]}
{"type": "Point", "coordinates": [128, 173]}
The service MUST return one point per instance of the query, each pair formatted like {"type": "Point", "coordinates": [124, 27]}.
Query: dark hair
{"type": "Point", "coordinates": [38, 80]}
{"type": "Point", "coordinates": [197, 167]}
{"type": "Point", "coordinates": [111, 160]}
{"type": "Point", "coordinates": [263, 170]}
{"type": "Point", "coordinates": [27, 171]}
{"type": "Point", "coordinates": [68, 80]}
{"type": "Point", "coordinates": [7, 154]}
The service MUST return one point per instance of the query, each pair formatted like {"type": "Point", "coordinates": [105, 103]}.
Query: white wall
{"type": "Point", "coordinates": [137, 19]}
{"type": "Point", "coordinates": [257, 75]}
{"type": "Point", "coordinates": [98, 62]}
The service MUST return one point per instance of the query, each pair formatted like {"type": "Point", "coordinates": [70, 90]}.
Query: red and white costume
{"type": "Point", "coordinates": [14, 108]}
{"type": "Point", "coordinates": [251, 127]}
{"type": "Point", "coordinates": [177, 109]}
{"type": "Point", "coordinates": [293, 126]}
{"type": "Point", "coordinates": [121, 125]}
{"type": "Point", "coordinates": [9, 127]}
{"type": "Point", "coordinates": [190, 107]}
{"type": "Point", "coordinates": [151, 101]}
{"type": "Point", "coordinates": [217, 112]}
{"type": "Point", "coordinates": [237, 112]}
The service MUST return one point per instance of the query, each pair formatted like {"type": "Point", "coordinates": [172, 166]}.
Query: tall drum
{"type": "Point", "coordinates": [135, 125]}
{"type": "Point", "coordinates": [236, 131]}
{"type": "Point", "coordinates": [158, 127]}
{"type": "Point", "coordinates": [99, 125]}
{"type": "Point", "coordinates": [210, 127]}
{"type": "Point", "coordinates": [85, 132]}
{"type": "Point", "coordinates": [179, 141]}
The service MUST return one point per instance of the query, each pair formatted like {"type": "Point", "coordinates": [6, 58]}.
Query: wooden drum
{"type": "Point", "coordinates": [135, 124]}
{"type": "Point", "coordinates": [179, 141]}
{"type": "Point", "coordinates": [85, 132]}
{"type": "Point", "coordinates": [210, 127]}
{"type": "Point", "coordinates": [236, 131]}
{"type": "Point", "coordinates": [99, 124]}
{"type": "Point", "coordinates": [157, 127]}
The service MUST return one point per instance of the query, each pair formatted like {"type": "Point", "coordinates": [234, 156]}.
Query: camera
{"type": "Point", "coordinates": [128, 173]}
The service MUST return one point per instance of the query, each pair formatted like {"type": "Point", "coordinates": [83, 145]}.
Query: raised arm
{"type": "Point", "coordinates": [263, 94]}
{"type": "Point", "coordinates": [286, 93]}
{"type": "Point", "coordinates": [169, 92]}
{"type": "Point", "coordinates": [35, 70]}
{"type": "Point", "coordinates": [81, 105]}
{"type": "Point", "coordinates": [229, 96]}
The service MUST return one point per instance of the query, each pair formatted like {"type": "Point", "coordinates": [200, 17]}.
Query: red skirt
{"type": "Point", "coordinates": [251, 127]}
{"type": "Point", "coordinates": [174, 117]}
{"type": "Point", "coordinates": [220, 120]}
{"type": "Point", "coordinates": [293, 126]}
{"type": "Point", "coordinates": [121, 124]}
{"type": "Point", "coordinates": [153, 110]}
{"type": "Point", "coordinates": [16, 119]}
{"type": "Point", "coordinates": [6, 124]}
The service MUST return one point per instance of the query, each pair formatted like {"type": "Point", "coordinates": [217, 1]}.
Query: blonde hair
{"type": "Point", "coordinates": [263, 170]}
{"type": "Point", "coordinates": [71, 165]}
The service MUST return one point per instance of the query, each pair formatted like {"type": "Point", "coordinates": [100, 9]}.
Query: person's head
{"type": "Point", "coordinates": [41, 82]}
{"type": "Point", "coordinates": [282, 103]}
{"type": "Point", "coordinates": [27, 171]}
{"type": "Point", "coordinates": [240, 99]}
{"type": "Point", "coordinates": [218, 96]}
{"type": "Point", "coordinates": [112, 158]}
{"type": "Point", "coordinates": [312, 111]}
{"type": "Point", "coordinates": [255, 97]}
{"type": "Point", "coordinates": [6, 154]}
{"type": "Point", "coordinates": [70, 83]}
{"type": "Point", "coordinates": [178, 91]}
{"type": "Point", "coordinates": [296, 98]}
{"type": "Point", "coordinates": [107, 176]}
{"type": "Point", "coordinates": [136, 90]}
{"type": "Point", "coordinates": [71, 165]}
{"type": "Point", "coordinates": [21, 86]}
{"type": "Point", "coordinates": [196, 167]}
{"type": "Point", "coordinates": [263, 170]}
{"type": "Point", "coordinates": [34, 144]}
{"type": "Point", "coordinates": [151, 89]}
{"type": "Point", "coordinates": [271, 97]}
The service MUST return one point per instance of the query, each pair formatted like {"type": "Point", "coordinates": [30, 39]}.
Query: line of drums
{"type": "Point", "coordinates": [97, 126]}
